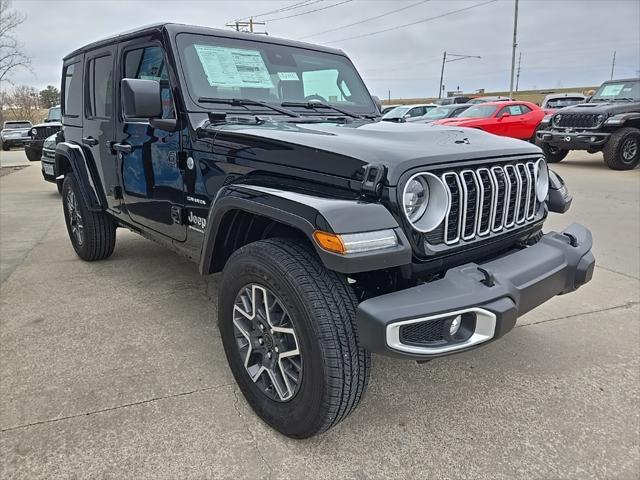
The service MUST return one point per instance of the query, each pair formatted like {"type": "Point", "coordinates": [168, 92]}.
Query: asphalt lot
{"type": "Point", "coordinates": [115, 369]}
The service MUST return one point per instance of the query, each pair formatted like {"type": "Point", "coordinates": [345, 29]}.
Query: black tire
{"type": "Point", "coordinates": [619, 150]}
{"type": "Point", "coordinates": [322, 306]}
{"type": "Point", "coordinates": [98, 231]}
{"type": "Point", "coordinates": [552, 154]}
{"type": "Point", "coordinates": [33, 155]}
{"type": "Point", "coordinates": [5, 147]}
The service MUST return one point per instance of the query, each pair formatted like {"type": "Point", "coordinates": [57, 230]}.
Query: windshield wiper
{"type": "Point", "coordinates": [245, 102]}
{"type": "Point", "coordinates": [626, 99]}
{"type": "Point", "coordinates": [316, 104]}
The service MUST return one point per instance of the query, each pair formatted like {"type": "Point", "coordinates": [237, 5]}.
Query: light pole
{"type": "Point", "coordinates": [455, 59]}
{"type": "Point", "coordinates": [513, 51]}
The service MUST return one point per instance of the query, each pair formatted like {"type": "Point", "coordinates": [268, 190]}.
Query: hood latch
{"type": "Point", "coordinates": [374, 174]}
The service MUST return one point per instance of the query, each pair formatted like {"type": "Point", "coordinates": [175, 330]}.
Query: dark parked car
{"type": "Point", "coordinates": [48, 159]}
{"type": "Point", "coordinates": [14, 134]}
{"type": "Point", "coordinates": [442, 112]}
{"type": "Point", "coordinates": [336, 234]}
{"type": "Point", "coordinates": [39, 132]}
{"type": "Point", "coordinates": [452, 100]}
{"type": "Point", "coordinates": [609, 122]}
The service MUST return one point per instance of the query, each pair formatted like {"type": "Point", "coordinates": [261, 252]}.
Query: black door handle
{"type": "Point", "coordinates": [92, 142]}
{"type": "Point", "coordinates": [122, 147]}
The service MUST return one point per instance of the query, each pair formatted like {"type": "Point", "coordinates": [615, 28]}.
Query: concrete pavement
{"type": "Point", "coordinates": [115, 369]}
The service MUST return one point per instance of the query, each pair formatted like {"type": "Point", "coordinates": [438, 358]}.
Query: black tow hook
{"type": "Point", "coordinates": [489, 280]}
{"type": "Point", "coordinates": [573, 241]}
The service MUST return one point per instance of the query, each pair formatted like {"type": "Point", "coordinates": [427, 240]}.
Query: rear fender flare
{"type": "Point", "coordinates": [88, 181]}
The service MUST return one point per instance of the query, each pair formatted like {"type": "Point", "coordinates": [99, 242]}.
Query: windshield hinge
{"type": "Point", "coordinates": [372, 180]}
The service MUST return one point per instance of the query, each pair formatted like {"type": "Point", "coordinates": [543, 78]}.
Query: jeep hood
{"type": "Point", "coordinates": [344, 149]}
{"type": "Point", "coordinates": [604, 108]}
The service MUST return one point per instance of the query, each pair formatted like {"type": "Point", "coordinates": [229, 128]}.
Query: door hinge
{"type": "Point", "coordinates": [177, 215]}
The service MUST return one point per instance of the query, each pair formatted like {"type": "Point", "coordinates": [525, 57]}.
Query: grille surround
{"type": "Point", "coordinates": [576, 120]}
{"type": "Point", "coordinates": [45, 131]}
{"type": "Point", "coordinates": [486, 200]}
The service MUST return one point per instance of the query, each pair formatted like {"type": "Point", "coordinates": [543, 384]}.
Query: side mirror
{"type": "Point", "coordinates": [504, 115]}
{"type": "Point", "coordinates": [559, 196]}
{"type": "Point", "coordinates": [140, 98]}
{"type": "Point", "coordinates": [377, 101]}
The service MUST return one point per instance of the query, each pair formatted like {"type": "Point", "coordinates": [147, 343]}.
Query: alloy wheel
{"type": "Point", "coordinates": [629, 149]}
{"type": "Point", "coordinates": [267, 342]}
{"type": "Point", "coordinates": [75, 218]}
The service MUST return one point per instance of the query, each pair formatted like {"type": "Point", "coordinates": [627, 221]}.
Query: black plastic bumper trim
{"type": "Point", "coordinates": [523, 279]}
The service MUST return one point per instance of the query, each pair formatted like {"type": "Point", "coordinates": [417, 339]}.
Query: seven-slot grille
{"type": "Point", "coordinates": [577, 120]}
{"type": "Point", "coordinates": [45, 132]}
{"type": "Point", "coordinates": [487, 200]}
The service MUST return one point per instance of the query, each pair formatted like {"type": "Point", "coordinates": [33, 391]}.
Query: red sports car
{"type": "Point", "coordinates": [508, 119]}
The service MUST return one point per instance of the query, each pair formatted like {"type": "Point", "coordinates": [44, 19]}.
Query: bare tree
{"type": "Point", "coordinates": [12, 55]}
{"type": "Point", "coordinates": [21, 103]}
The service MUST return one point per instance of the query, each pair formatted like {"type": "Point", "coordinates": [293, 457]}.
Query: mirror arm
{"type": "Point", "coordinates": [167, 124]}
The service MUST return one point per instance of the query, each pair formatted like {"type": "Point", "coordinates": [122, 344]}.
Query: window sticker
{"type": "Point", "coordinates": [292, 76]}
{"type": "Point", "coordinates": [233, 67]}
{"type": "Point", "coordinates": [611, 90]}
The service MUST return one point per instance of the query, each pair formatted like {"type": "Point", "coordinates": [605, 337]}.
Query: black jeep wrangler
{"type": "Point", "coordinates": [608, 122]}
{"type": "Point", "coordinates": [337, 234]}
{"type": "Point", "coordinates": [40, 132]}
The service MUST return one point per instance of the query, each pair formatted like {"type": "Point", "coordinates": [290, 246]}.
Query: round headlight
{"type": "Point", "coordinates": [556, 119]}
{"type": "Point", "coordinates": [34, 132]}
{"type": "Point", "coordinates": [415, 198]}
{"type": "Point", "coordinates": [600, 118]}
{"type": "Point", "coordinates": [542, 180]}
{"type": "Point", "coordinates": [425, 201]}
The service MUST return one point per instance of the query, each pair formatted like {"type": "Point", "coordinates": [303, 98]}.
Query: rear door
{"type": "Point", "coordinates": [98, 126]}
{"type": "Point", "coordinates": [152, 180]}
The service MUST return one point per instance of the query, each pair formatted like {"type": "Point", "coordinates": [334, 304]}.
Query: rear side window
{"type": "Point", "coordinates": [72, 76]}
{"type": "Point", "coordinates": [100, 87]}
{"type": "Point", "coordinates": [148, 64]}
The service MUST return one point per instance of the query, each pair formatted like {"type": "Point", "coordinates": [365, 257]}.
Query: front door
{"type": "Point", "coordinates": [98, 126]}
{"type": "Point", "coordinates": [152, 181]}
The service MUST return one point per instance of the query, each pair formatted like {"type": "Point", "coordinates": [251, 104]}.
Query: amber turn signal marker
{"type": "Point", "coordinates": [329, 241]}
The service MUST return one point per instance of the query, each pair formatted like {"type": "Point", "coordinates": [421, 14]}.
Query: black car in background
{"type": "Point", "coordinates": [14, 134]}
{"type": "Point", "coordinates": [444, 111]}
{"type": "Point", "coordinates": [48, 159]}
{"type": "Point", "coordinates": [39, 132]}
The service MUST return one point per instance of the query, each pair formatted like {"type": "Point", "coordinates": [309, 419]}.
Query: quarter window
{"type": "Point", "coordinates": [100, 90]}
{"type": "Point", "coordinates": [149, 64]}
{"type": "Point", "coordinates": [72, 76]}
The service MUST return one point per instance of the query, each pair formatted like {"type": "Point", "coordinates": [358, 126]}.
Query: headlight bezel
{"type": "Point", "coordinates": [437, 203]}
{"type": "Point", "coordinates": [541, 170]}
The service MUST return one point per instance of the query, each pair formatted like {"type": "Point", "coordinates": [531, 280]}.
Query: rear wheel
{"type": "Point", "coordinates": [288, 329]}
{"type": "Point", "coordinates": [622, 151]}
{"type": "Point", "coordinates": [5, 147]}
{"type": "Point", "coordinates": [92, 234]}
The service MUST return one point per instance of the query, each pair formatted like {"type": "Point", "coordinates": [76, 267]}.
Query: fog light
{"type": "Point", "coordinates": [593, 139]}
{"type": "Point", "coordinates": [455, 325]}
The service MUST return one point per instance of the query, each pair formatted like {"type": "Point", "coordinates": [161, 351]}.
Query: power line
{"type": "Point", "coordinates": [367, 19]}
{"type": "Point", "coordinates": [308, 11]}
{"type": "Point", "coordinates": [304, 3]}
{"type": "Point", "coordinates": [414, 23]}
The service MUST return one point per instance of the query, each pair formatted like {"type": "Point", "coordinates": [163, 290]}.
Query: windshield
{"type": "Point", "coordinates": [563, 102]}
{"type": "Point", "coordinates": [618, 91]}
{"type": "Point", "coordinates": [54, 114]}
{"type": "Point", "coordinates": [440, 112]}
{"type": "Point", "coordinates": [225, 68]}
{"type": "Point", "coordinates": [396, 112]}
{"type": "Point", "coordinates": [16, 125]}
{"type": "Point", "coordinates": [479, 111]}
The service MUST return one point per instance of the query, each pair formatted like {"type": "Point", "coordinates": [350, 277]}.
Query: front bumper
{"type": "Point", "coordinates": [584, 140]}
{"type": "Point", "coordinates": [15, 141]}
{"type": "Point", "coordinates": [48, 169]}
{"type": "Point", "coordinates": [510, 286]}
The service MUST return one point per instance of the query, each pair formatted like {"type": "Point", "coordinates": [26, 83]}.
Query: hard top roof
{"type": "Point", "coordinates": [174, 28]}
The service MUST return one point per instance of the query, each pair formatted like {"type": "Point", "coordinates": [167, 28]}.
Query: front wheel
{"type": "Point", "coordinates": [92, 234]}
{"type": "Point", "coordinates": [32, 155]}
{"type": "Point", "coordinates": [553, 154]}
{"type": "Point", "coordinates": [289, 334]}
{"type": "Point", "coordinates": [622, 151]}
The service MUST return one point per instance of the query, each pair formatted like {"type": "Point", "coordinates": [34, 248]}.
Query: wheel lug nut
{"type": "Point", "coordinates": [277, 349]}
{"type": "Point", "coordinates": [260, 341]}
{"type": "Point", "coordinates": [269, 354]}
{"type": "Point", "coordinates": [261, 327]}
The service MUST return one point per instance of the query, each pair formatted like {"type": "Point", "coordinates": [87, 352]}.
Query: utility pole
{"type": "Point", "coordinates": [613, 64]}
{"type": "Point", "coordinates": [518, 74]}
{"type": "Point", "coordinates": [239, 26]}
{"type": "Point", "coordinates": [455, 59]}
{"type": "Point", "coordinates": [513, 51]}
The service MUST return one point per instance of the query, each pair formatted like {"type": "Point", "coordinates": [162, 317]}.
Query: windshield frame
{"type": "Point", "coordinates": [194, 105]}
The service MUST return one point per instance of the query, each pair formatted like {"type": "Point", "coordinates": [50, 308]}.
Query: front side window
{"type": "Point", "coordinates": [514, 110]}
{"type": "Point", "coordinates": [72, 76]}
{"type": "Point", "coordinates": [225, 68]}
{"type": "Point", "coordinates": [149, 64]}
{"type": "Point", "coordinates": [100, 87]}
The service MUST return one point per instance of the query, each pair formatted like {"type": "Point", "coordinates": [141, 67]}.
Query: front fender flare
{"type": "Point", "coordinates": [308, 213]}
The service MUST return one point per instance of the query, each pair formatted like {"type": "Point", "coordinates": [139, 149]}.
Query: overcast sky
{"type": "Point", "coordinates": [563, 42]}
